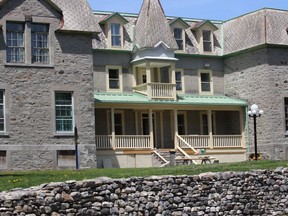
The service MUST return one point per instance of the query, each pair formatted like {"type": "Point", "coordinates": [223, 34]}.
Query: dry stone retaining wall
{"type": "Point", "coordinates": [259, 192]}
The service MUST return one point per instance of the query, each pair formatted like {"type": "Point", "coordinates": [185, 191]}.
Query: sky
{"type": "Point", "coordinates": [201, 9]}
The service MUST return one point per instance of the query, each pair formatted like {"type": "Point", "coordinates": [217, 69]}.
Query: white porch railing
{"type": "Point", "coordinates": [104, 142]}
{"type": "Point", "coordinates": [227, 141]}
{"type": "Point", "coordinates": [197, 141]}
{"type": "Point", "coordinates": [123, 142]}
{"type": "Point", "coordinates": [132, 141]}
{"type": "Point", "coordinates": [158, 90]}
{"type": "Point", "coordinates": [219, 141]}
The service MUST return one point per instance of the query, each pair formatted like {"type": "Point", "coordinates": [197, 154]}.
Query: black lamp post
{"type": "Point", "coordinates": [254, 113]}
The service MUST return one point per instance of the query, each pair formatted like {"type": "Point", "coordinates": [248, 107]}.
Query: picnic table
{"type": "Point", "coordinates": [204, 159]}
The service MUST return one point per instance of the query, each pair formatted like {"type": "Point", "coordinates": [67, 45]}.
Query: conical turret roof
{"type": "Point", "coordinates": [152, 26]}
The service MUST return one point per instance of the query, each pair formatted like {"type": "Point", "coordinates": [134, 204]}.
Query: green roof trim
{"type": "Point", "coordinates": [183, 99]}
{"type": "Point", "coordinates": [124, 21]}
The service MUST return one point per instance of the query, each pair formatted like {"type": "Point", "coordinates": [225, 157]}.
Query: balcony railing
{"type": "Point", "coordinates": [157, 90]}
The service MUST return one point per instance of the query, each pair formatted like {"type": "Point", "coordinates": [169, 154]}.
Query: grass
{"type": "Point", "coordinates": [25, 179]}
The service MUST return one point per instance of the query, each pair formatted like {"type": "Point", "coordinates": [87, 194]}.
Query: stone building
{"type": "Point", "coordinates": [137, 85]}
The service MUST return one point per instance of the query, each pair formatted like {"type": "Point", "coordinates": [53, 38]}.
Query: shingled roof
{"type": "Point", "coordinates": [78, 16]}
{"type": "Point", "coordinates": [152, 26]}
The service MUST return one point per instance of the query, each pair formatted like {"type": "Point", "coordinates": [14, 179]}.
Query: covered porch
{"type": "Point", "coordinates": [130, 121]}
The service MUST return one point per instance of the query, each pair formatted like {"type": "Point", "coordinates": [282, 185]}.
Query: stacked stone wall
{"type": "Point", "coordinates": [259, 192]}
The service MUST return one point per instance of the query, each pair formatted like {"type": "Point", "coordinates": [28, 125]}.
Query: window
{"type": "Point", "coordinates": [206, 84]}
{"type": "Point", "coordinates": [15, 42]}
{"type": "Point", "coordinates": [2, 111]}
{"type": "Point", "coordinates": [181, 124]}
{"type": "Point", "coordinates": [18, 36]}
{"type": "Point", "coordinates": [204, 124]}
{"type": "Point", "coordinates": [178, 35]}
{"type": "Point", "coordinates": [118, 117]}
{"type": "Point", "coordinates": [40, 50]}
{"type": "Point", "coordinates": [178, 79]}
{"type": "Point", "coordinates": [64, 112]}
{"type": "Point", "coordinates": [115, 35]}
{"type": "Point", "coordinates": [286, 113]}
{"type": "Point", "coordinates": [114, 78]}
{"type": "Point", "coordinates": [207, 41]}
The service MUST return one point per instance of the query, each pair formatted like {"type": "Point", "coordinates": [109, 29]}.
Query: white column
{"type": "Point", "coordinates": [148, 76]}
{"type": "Point", "coordinates": [173, 80]}
{"type": "Point", "coordinates": [151, 129]}
{"type": "Point", "coordinates": [113, 127]}
{"type": "Point", "coordinates": [242, 127]}
{"type": "Point", "coordinates": [176, 144]}
{"type": "Point", "coordinates": [210, 128]}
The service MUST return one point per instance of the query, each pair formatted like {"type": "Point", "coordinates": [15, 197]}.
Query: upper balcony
{"type": "Point", "coordinates": [157, 90]}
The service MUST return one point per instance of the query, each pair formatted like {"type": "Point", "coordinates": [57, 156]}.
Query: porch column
{"type": "Point", "coordinates": [242, 127]}
{"type": "Point", "coordinates": [113, 127]}
{"type": "Point", "coordinates": [134, 76]}
{"type": "Point", "coordinates": [210, 128]}
{"type": "Point", "coordinates": [173, 80]}
{"type": "Point", "coordinates": [151, 129]}
{"type": "Point", "coordinates": [148, 76]}
{"type": "Point", "coordinates": [176, 144]}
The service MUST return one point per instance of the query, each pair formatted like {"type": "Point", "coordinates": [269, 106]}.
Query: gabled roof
{"type": "Point", "coordinates": [119, 16]}
{"type": "Point", "coordinates": [78, 16]}
{"type": "Point", "coordinates": [152, 26]}
{"type": "Point", "coordinates": [180, 20]}
{"type": "Point", "coordinates": [202, 23]}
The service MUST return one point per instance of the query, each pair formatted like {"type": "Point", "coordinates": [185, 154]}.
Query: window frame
{"type": "Point", "coordinates": [70, 132]}
{"type": "Point", "coordinates": [178, 39]}
{"type": "Point", "coordinates": [28, 42]}
{"type": "Point", "coordinates": [181, 71]}
{"type": "Point", "coordinates": [120, 35]}
{"type": "Point", "coordinates": [184, 114]}
{"type": "Point", "coordinates": [119, 68]}
{"type": "Point", "coordinates": [119, 112]}
{"type": "Point", "coordinates": [211, 92]}
{"type": "Point", "coordinates": [46, 33]}
{"type": "Point", "coordinates": [203, 113]}
{"type": "Point", "coordinates": [211, 41]}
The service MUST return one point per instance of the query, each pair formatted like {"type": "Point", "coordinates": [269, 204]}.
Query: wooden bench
{"type": "Point", "coordinates": [204, 159]}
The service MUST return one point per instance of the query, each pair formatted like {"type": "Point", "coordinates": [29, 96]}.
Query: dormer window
{"type": "Point", "coordinates": [15, 42]}
{"type": "Point", "coordinates": [116, 35]}
{"type": "Point", "coordinates": [207, 41]}
{"type": "Point", "coordinates": [178, 35]}
{"type": "Point", "coordinates": [114, 25]}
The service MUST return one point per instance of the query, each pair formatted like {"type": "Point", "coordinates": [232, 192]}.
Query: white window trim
{"type": "Point", "coordinates": [73, 114]}
{"type": "Point", "coordinates": [120, 89]}
{"type": "Point", "coordinates": [110, 36]}
{"type": "Point", "coordinates": [211, 92]}
{"type": "Point", "coordinates": [109, 125]}
{"type": "Point", "coordinates": [121, 112]}
{"type": "Point", "coordinates": [185, 120]}
{"type": "Point", "coordinates": [183, 39]}
{"type": "Point", "coordinates": [181, 70]}
{"type": "Point", "coordinates": [202, 42]}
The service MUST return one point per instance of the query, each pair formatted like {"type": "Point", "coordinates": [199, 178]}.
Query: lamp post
{"type": "Point", "coordinates": [254, 113]}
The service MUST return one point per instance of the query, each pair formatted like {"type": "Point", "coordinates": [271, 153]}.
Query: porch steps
{"type": "Point", "coordinates": [161, 154]}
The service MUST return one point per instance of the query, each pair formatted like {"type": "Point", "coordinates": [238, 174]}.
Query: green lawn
{"type": "Point", "coordinates": [25, 179]}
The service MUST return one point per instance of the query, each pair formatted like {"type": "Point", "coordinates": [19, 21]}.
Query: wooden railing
{"type": "Point", "coordinates": [157, 90]}
{"type": "Point", "coordinates": [197, 141]}
{"type": "Point", "coordinates": [163, 90]}
{"type": "Point", "coordinates": [227, 141]}
{"type": "Point", "coordinates": [132, 141]}
{"type": "Point", "coordinates": [104, 142]}
{"type": "Point", "coordinates": [165, 162]}
{"type": "Point", "coordinates": [219, 141]}
{"type": "Point", "coordinates": [123, 142]}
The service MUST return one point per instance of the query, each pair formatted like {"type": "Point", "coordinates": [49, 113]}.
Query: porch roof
{"type": "Point", "coordinates": [182, 99]}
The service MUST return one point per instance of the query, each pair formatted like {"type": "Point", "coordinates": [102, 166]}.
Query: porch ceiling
{"type": "Point", "coordinates": [184, 99]}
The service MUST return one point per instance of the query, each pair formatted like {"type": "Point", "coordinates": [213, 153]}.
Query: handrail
{"type": "Point", "coordinates": [186, 143]}
{"type": "Point", "coordinates": [162, 158]}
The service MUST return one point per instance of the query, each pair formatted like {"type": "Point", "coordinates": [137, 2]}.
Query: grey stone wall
{"type": "Point", "coordinates": [229, 193]}
{"type": "Point", "coordinates": [30, 140]}
{"type": "Point", "coordinates": [259, 77]}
